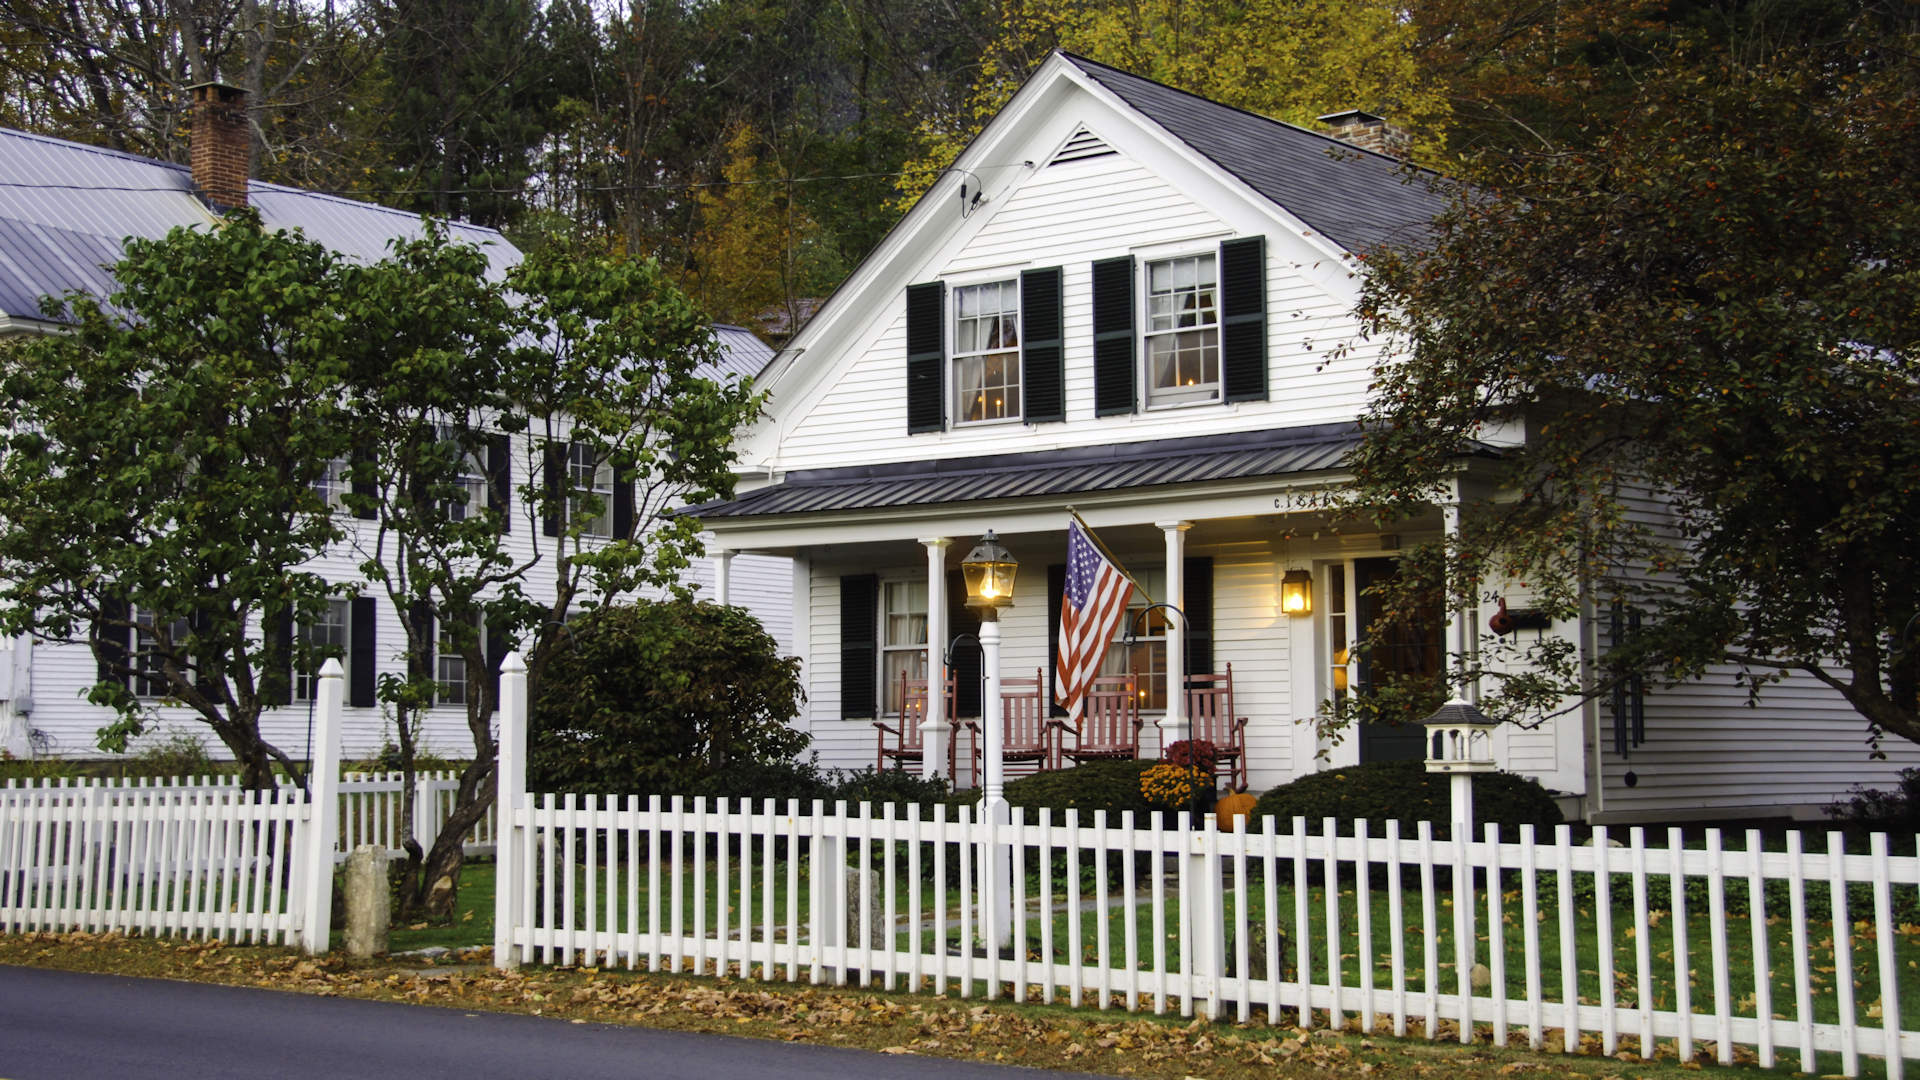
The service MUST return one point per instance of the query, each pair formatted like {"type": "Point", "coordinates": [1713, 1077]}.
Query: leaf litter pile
{"type": "Point", "coordinates": [1114, 1043]}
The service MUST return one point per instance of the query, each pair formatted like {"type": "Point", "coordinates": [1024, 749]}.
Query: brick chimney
{"type": "Point", "coordinates": [220, 144]}
{"type": "Point", "coordinates": [1368, 132]}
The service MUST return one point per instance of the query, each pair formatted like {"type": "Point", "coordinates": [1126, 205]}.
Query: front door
{"type": "Point", "coordinates": [1408, 648]}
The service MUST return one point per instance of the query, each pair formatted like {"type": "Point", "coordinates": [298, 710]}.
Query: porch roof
{"type": "Point", "coordinates": [1039, 474]}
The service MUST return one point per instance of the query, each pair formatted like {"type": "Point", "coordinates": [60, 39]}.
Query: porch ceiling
{"type": "Point", "coordinates": [1046, 474]}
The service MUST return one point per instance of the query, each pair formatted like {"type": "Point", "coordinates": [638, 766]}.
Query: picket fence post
{"type": "Point", "coordinates": [510, 796]}
{"type": "Point", "coordinates": [323, 812]}
{"type": "Point", "coordinates": [1204, 867]}
{"type": "Point", "coordinates": [426, 809]}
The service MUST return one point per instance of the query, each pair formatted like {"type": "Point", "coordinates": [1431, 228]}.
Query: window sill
{"type": "Point", "coordinates": [1167, 406]}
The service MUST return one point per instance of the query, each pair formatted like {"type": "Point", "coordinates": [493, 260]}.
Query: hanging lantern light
{"type": "Point", "coordinates": [1296, 593]}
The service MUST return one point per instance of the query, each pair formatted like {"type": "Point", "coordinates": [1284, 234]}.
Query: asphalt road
{"type": "Point", "coordinates": [58, 1025]}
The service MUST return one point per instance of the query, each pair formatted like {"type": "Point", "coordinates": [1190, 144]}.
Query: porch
{"type": "Point", "coordinates": [1208, 527]}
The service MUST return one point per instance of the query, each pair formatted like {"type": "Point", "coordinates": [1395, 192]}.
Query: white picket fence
{"type": "Point", "coordinates": [370, 803]}
{"type": "Point", "coordinates": [1372, 929]}
{"type": "Point", "coordinates": [201, 861]}
{"type": "Point", "coordinates": [206, 859]}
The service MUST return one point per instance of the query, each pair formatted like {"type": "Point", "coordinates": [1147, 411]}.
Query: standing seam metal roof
{"type": "Point", "coordinates": [1048, 473]}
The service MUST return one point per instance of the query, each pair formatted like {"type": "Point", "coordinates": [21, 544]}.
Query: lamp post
{"type": "Point", "coordinates": [1460, 744]}
{"type": "Point", "coordinates": [989, 570]}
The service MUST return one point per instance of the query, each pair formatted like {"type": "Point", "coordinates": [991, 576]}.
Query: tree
{"type": "Point", "coordinates": [1704, 314]}
{"type": "Point", "coordinates": [156, 490]}
{"type": "Point", "coordinates": [604, 367]}
{"type": "Point", "coordinates": [656, 698]}
{"type": "Point", "coordinates": [1290, 61]}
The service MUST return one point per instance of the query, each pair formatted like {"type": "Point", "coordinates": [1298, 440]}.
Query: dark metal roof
{"type": "Point", "coordinates": [1046, 473]}
{"type": "Point", "coordinates": [1356, 197]}
{"type": "Point", "coordinates": [67, 209]}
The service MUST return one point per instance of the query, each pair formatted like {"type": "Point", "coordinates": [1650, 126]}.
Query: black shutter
{"type": "Point", "coordinates": [498, 645]}
{"type": "Point", "coordinates": [209, 667]}
{"type": "Point", "coordinates": [859, 645]}
{"type": "Point", "coordinates": [1114, 341]}
{"type": "Point", "coordinates": [926, 357]}
{"type": "Point", "coordinates": [360, 653]}
{"type": "Point", "coordinates": [362, 485]}
{"type": "Point", "coordinates": [1198, 574]}
{"type": "Point", "coordinates": [622, 497]}
{"type": "Point", "coordinates": [553, 464]}
{"type": "Point", "coordinates": [500, 478]}
{"type": "Point", "coordinates": [1056, 595]}
{"type": "Point", "coordinates": [420, 659]}
{"type": "Point", "coordinates": [276, 667]}
{"type": "Point", "coordinates": [1243, 319]}
{"type": "Point", "coordinates": [1042, 373]}
{"type": "Point", "coordinates": [962, 619]}
{"type": "Point", "coordinates": [112, 639]}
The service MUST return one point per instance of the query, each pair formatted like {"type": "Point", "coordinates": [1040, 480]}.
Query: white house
{"type": "Point", "coordinates": [65, 209]}
{"type": "Point", "coordinates": [1138, 303]}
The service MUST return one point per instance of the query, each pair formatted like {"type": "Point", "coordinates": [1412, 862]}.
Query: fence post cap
{"type": "Point", "coordinates": [332, 669]}
{"type": "Point", "coordinates": [514, 662]}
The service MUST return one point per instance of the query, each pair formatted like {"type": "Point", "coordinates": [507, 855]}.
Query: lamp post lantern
{"type": "Point", "coordinates": [1460, 744]}
{"type": "Point", "coordinates": [989, 571]}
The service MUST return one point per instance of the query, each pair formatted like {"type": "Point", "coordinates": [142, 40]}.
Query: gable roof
{"type": "Point", "coordinates": [1357, 198]}
{"type": "Point", "coordinates": [66, 210]}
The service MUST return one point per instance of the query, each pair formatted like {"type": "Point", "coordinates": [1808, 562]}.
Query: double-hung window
{"type": "Point", "coordinates": [1183, 330]}
{"type": "Point", "coordinates": [150, 648]}
{"type": "Point", "coordinates": [324, 637]}
{"type": "Point", "coordinates": [986, 352]}
{"type": "Point", "coordinates": [1146, 658]}
{"type": "Point", "coordinates": [903, 642]}
{"type": "Point", "coordinates": [450, 665]}
{"type": "Point", "coordinates": [332, 485]}
{"type": "Point", "coordinates": [470, 478]}
{"type": "Point", "coordinates": [589, 485]}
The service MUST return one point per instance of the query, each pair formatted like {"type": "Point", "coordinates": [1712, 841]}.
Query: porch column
{"type": "Point", "coordinates": [1173, 726]}
{"type": "Point", "coordinates": [723, 577]}
{"type": "Point", "coordinates": [935, 730]}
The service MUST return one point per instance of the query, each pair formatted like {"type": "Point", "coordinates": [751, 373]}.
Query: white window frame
{"type": "Point", "coordinates": [586, 476]}
{"type": "Point", "coordinates": [147, 678]}
{"type": "Point", "coordinates": [339, 617]}
{"type": "Point", "coordinates": [333, 485]}
{"type": "Point", "coordinates": [453, 682]}
{"type": "Point", "coordinates": [912, 654]}
{"type": "Point", "coordinates": [1150, 643]}
{"type": "Point", "coordinates": [472, 478]}
{"type": "Point", "coordinates": [1201, 392]}
{"type": "Point", "coordinates": [1014, 410]}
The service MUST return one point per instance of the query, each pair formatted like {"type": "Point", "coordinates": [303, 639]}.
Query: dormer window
{"type": "Point", "coordinates": [1183, 330]}
{"type": "Point", "coordinates": [986, 352]}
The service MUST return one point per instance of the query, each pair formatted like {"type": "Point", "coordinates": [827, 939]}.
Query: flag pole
{"type": "Point", "coordinates": [1111, 557]}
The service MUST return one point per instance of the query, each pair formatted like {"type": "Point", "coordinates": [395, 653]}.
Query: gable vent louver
{"type": "Point", "coordinates": [1083, 145]}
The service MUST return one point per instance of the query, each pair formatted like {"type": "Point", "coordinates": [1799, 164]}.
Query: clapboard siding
{"type": "Point", "coordinates": [1708, 751]}
{"type": "Point", "coordinates": [1070, 216]}
{"type": "Point", "coordinates": [62, 673]}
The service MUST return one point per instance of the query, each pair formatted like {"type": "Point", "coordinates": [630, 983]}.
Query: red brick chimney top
{"type": "Point", "coordinates": [220, 144]}
{"type": "Point", "coordinates": [1368, 132]}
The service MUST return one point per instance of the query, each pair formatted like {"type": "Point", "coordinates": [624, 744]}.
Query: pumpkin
{"type": "Point", "coordinates": [1238, 804]}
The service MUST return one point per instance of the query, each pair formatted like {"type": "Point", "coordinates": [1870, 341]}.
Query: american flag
{"type": "Point", "coordinates": [1095, 601]}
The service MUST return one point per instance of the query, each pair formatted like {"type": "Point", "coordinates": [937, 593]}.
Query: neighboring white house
{"type": "Point", "coordinates": [1138, 303]}
{"type": "Point", "coordinates": [64, 212]}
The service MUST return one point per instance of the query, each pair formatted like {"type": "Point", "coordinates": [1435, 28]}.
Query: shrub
{"type": "Point", "coordinates": [1872, 809]}
{"type": "Point", "coordinates": [663, 698]}
{"type": "Point", "coordinates": [883, 786]}
{"type": "Point", "coordinates": [1192, 753]}
{"type": "Point", "coordinates": [1404, 791]}
{"type": "Point", "coordinates": [1113, 786]}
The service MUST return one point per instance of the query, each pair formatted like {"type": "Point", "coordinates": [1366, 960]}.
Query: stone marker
{"type": "Point", "coordinates": [369, 902]}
